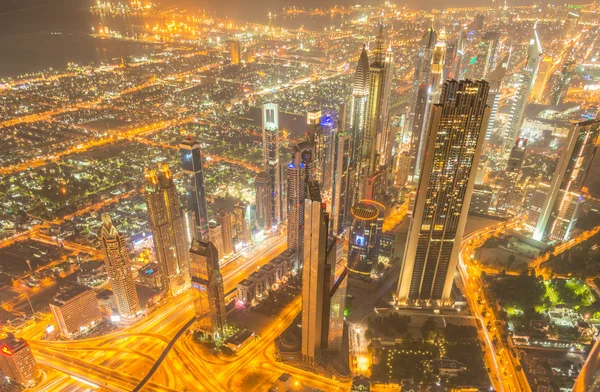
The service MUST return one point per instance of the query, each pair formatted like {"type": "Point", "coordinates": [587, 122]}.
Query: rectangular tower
{"type": "Point", "coordinates": [271, 144]}
{"type": "Point", "coordinates": [191, 163]}
{"type": "Point", "coordinates": [454, 141]}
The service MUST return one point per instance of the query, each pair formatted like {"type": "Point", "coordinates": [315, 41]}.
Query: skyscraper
{"type": "Point", "coordinates": [17, 362]}
{"type": "Point", "coordinates": [358, 105]}
{"type": "Point", "coordinates": [225, 220]}
{"type": "Point", "coordinates": [526, 79]}
{"type": "Point", "coordinates": [264, 202]}
{"type": "Point", "coordinates": [271, 143]}
{"type": "Point", "coordinates": [118, 268]}
{"type": "Point", "coordinates": [495, 79]}
{"type": "Point", "coordinates": [168, 230]}
{"type": "Point", "coordinates": [341, 197]}
{"type": "Point", "coordinates": [565, 194]}
{"type": "Point", "coordinates": [207, 282]}
{"type": "Point", "coordinates": [377, 107]}
{"type": "Point", "coordinates": [315, 297]}
{"type": "Point", "coordinates": [296, 193]}
{"type": "Point", "coordinates": [215, 234]}
{"type": "Point", "coordinates": [321, 135]}
{"type": "Point", "coordinates": [421, 88]}
{"type": "Point", "coordinates": [191, 162]}
{"type": "Point", "coordinates": [455, 137]}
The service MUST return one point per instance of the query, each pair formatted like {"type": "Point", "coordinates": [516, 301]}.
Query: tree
{"type": "Point", "coordinates": [429, 329]}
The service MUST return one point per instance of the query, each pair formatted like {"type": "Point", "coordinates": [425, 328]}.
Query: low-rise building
{"type": "Point", "coordinates": [149, 275]}
{"type": "Point", "coordinates": [75, 309]}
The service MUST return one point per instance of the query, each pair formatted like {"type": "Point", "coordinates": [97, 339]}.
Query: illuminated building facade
{"type": "Point", "coordinates": [118, 268]}
{"type": "Point", "coordinates": [235, 51]}
{"type": "Point", "coordinates": [191, 163]}
{"type": "Point", "coordinates": [495, 79]}
{"type": "Point", "coordinates": [17, 362]}
{"type": "Point", "coordinates": [342, 175]}
{"type": "Point", "coordinates": [565, 194]}
{"type": "Point", "coordinates": [296, 194]}
{"type": "Point", "coordinates": [358, 105]}
{"type": "Point", "coordinates": [215, 233]}
{"type": "Point", "coordinates": [264, 202]}
{"type": "Point", "coordinates": [455, 139]}
{"type": "Point", "coordinates": [225, 221]}
{"type": "Point", "coordinates": [527, 77]}
{"type": "Point", "coordinates": [75, 309]}
{"type": "Point", "coordinates": [207, 282]}
{"type": "Point", "coordinates": [271, 144]}
{"type": "Point", "coordinates": [168, 229]}
{"type": "Point", "coordinates": [321, 135]}
{"type": "Point", "coordinates": [363, 245]}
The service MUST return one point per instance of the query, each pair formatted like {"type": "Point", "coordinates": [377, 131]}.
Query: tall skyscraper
{"type": "Point", "coordinates": [296, 193]}
{"type": "Point", "coordinates": [191, 162]}
{"type": "Point", "coordinates": [358, 105]}
{"type": "Point", "coordinates": [168, 230]}
{"type": "Point", "coordinates": [215, 234]}
{"type": "Point", "coordinates": [526, 79]}
{"type": "Point", "coordinates": [341, 196]}
{"type": "Point", "coordinates": [495, 79]}
{"type": "Point", "coordinates": [17, 362]}
{"type": "Point", "coordinates": [377, 107]}
{"type": "Point", "coordinates": [264, 201]}
{"type": "Point", "coordinates": [508, 195]}
{"type": "Point", "coordinates": [207, 282]}
{"type": "Point", "coordinates": [235, 51]}
{"type": "Point", "coordinates": [565, 194]}
{"type": "Point", "coordinates": [118, 268]}
{"type": "Point", "coordinates": [321, 135]}
{"type": "Point", "coordinates": [225, 219]}
{"type": "Point", "coordinates": [544, 72]}
{"type": "Point", "coordinates": [455, 137]}
{"type": "Point", "coordinates": [271, 144]}
{"type": "Point", "coordinates": [317, 277]}
{"type": "Point", "coordinates": [421, 89]}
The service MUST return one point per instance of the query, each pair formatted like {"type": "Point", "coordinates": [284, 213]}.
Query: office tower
{"type": "Point", "coordinates": [313, 273]}
{"type": "Point", "coordinates": [75, 309]}
{"type": "Point", "coordinates": [495, 79]}
{"type": "Point", "coordinates": [17, 362]}
{"type": "Point", "coordinates": [168, 230]}
{"type": "Point", "coordinates": [454, 141]}
{"type": "Point", "coordinates": [363, 243]}
{"type": "Point", "coordinates": [377, 106]}
{"type": "Point", "coordinates": [565, 194]}
{"type": "Point", "coordinates": [225, 221]}
{"type": "Point", "coordinates": [321, 136]}
{"type": "Point", "coordinates": [544, 73]}
{"type": "Point", "coordinates": [242, 229]}
{"type": "Point", "coordinates": [402, 171]}
{"type": "Point", "coordinates": [461, 48]}
{"type": "Point", "coordinates": [215, 234]}
{"type": "Point", "coordinates": [420, 93]}
{"type": "Point", "coordinates": [336, 309]}
{"type": "Point", "coordinates": [264, 201]}
{"type": "Point", "coordinates": [207, 282]}
{"type": "Point", "coordinates": [118, 268]}
{"type": "Point", "coordinates": [525, 84]}
{"type": "Point", "coordinates": [191, 162]}
{"type": "Point", "coordinates": [385, 135]}
{"type": "Point", "coordinates": [235, 50]}
{"type": "Point", "coordinates": [271, 144]}
{"type": "Point", "coordinates": [358, 104]}
{"type": "Point", "coordinates": [513, 171]}
{"type": "Point", "coordinates": [341, 197]}
{"type": "Point", "coordinates": [296, 194]}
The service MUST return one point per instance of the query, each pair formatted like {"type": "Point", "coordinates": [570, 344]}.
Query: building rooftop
{"type": "Point", "coordinates": [240, 337]}
{"type": "Point", "coordinates": [12, 344]}
{"type": "Point", "coordinates": [67, 293]}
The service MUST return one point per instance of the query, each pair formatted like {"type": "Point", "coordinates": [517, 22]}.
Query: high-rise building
{"type": "Point", "coordinates": [363, 242]}
{"type": "Point", "coordinates": [336, 309]}
{"type": "Point", "coordinates": [75, 309]}
{"type": "Point", "coordinates": [17, 362]}
{"type": "Point", "coordinates": [242, 229]}
{"type": "Point", "coordinates": [358, 104]}
{"type": "Point", "coordinates": [565, 194]}
{"type": "Point", "coordinates": [225, 220]}
{"type": "Point", "coordinates": [402, 169]}
{"type": "Point", "coordinates": [495, 79]}
{"type": "Point", "coordinates": [377, 107]}
{"type": "Point", "coordinates": [321, 135]}
{"type": "Point", "coordinates": [215, 234]}
{"type": "Point", "coordinates": [461, 48]}
{"type": "Point", "coordinates": [486, 57]}
{"type": "Point", "coordinates": [296, 194]}
{"type": "Point", "coordinates": [543, 75]}
{"type": "Point", "coordinates": [513, 171]}
{"type": "Point", "coordinates": [235, 51]}
{"type": "Point", "coordinates": [525, 84]}
{"type": "Point", "coordinates": [271, 144]}
{"type": "Point", "coordinates": [168, 229]}
{"type": "Point", "coordinates": [118, 268]}
{"type": "Point", "coordinates": [191, 163]}
{"type": "Point", "coordinates": [421, 88]}
{"type": "Point", "coordinates": [207, 282]}
{"type": "Point", "coordinates": [455, 138]}
{"type": "Point", "coordinates": [341, 196]}
{"type": "Point", "coordinates": [570, 25]}
{"type": "Point", "coordinates": [264, 202]}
